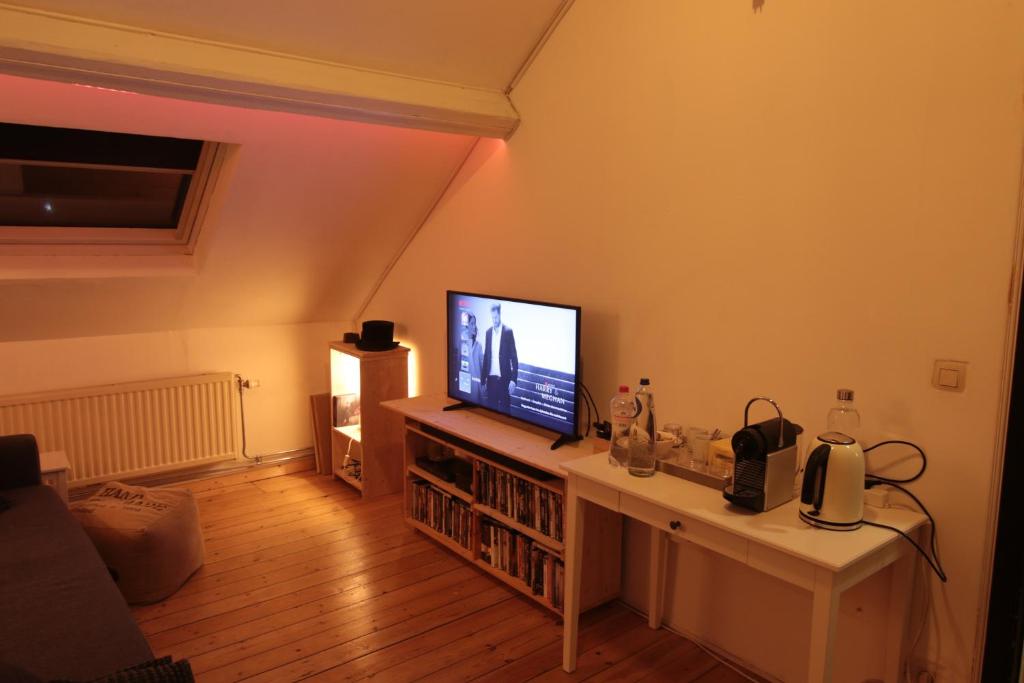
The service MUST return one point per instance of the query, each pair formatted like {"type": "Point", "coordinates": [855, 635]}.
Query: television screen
{"type": "Point", "coordinates": [519, 358]}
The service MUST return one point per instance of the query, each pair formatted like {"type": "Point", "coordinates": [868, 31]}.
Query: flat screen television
{"type": "Point", "coordinates": [516, 357]}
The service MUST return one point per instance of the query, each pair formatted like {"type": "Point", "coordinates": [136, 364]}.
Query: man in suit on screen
{"type": "Point", "coordinates": [501, 362]}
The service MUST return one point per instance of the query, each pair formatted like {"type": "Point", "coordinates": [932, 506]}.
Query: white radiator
{"type": "Point", "coordinates": [131, 429]}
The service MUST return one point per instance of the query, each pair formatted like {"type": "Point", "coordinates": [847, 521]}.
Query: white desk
{"type": "Point", "coordinates": [775, 542]}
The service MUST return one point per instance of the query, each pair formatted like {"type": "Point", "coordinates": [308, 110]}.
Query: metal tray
{"type": "Point", "coordinates": [675, 469]}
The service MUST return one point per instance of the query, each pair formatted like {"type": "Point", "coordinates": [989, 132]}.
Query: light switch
{"type": "Point", "coordinates": [949, 375]}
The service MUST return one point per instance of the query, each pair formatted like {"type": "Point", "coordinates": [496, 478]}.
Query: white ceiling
{"type": "Point", "coordinates": [313, 210]}
{"type": "Point", "coordinates": [480, 43]}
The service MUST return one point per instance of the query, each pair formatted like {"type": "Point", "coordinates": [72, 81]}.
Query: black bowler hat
{"type": "Point", "coordinates": [378, 335]}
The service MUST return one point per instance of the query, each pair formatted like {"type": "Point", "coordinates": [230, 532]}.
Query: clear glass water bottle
{"type": "Point", "coordinates": [844, 417]}
{"type": "Point", "coordinates": [623, 412]}
{"type": "Point", "coordinates": [643, 433]}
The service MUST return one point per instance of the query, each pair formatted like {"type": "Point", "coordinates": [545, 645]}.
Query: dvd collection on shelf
{"type": "Point", "coordinates": [442, 512]}
{"type": "Point", "coordinates": [519, 499]}
{"type": "Point", "coordinates": [522, 557]}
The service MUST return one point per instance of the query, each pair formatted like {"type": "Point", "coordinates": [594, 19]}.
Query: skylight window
{"type": "Point", "coordinates": [68, 186]}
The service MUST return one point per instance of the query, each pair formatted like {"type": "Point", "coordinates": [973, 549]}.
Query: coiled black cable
{"type": "Point", "coordinates": [872, 480]}
{"type": "Point", "coordinates": [924, 462]}
{"type": "Point", "coordinates": [588, 398]}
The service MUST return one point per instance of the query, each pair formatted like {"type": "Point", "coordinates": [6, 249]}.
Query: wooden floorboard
{"type": "Point", "coordinates": [395, 558]}
{"type": "Point", "coordinates": [334, 539]}
{"type": "Point", "coordinates": [315, 620]}
{"type": "Point", "coordinates": [252, 564]}
{"type": "Point", "coordinates": [723, 674]}
{"type": "Point", "coordinates": [306, 581]}
{"type": "Point", "coordinates": [596, 627]}
{"type": "Point", "coordinates": [210, 633]}
{"type": "Point", "coordinates": [330, 566]}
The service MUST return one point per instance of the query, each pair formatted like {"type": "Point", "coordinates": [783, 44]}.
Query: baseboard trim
{"type": "Point", "coordinates": [215, 469]}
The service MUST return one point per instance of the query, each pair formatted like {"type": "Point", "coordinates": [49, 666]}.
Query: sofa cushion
{"type": "Point", "coordinates": [19, 461]}
{"type": "Point", "coordinates": [63, 615]}
{"type": "Point", "coordinates": [12, 673]}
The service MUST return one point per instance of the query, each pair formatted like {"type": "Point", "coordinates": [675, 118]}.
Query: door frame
{"type": "Point", "coordinates": [1002, 590]}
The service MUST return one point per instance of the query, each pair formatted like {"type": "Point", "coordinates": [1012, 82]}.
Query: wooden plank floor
{"type": "Point", "coordinates": [305, 581]}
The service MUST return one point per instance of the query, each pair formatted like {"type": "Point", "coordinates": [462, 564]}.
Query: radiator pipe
{"type": "Point", "coordinates": [241, 407]}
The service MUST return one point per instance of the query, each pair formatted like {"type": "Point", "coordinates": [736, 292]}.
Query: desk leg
{"type": "Point", "coordinates": [824, 613]}
{"type": "Point", "coordinates": [901, 585]}
{"type": "Point", "coordinates": [573, 572]}
{"type": "Point", "coordinates": [656, 594]}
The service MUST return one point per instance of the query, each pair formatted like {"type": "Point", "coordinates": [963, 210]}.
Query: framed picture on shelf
{"type": "Point", "coordinates": [346, 410]}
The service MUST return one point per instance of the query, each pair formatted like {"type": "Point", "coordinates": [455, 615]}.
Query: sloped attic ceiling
{"type": "Point", "coordinates": [311, 211]}
{"type": "Point", "coordinates": [306, 218]}
{"type": "Point", "coordinates": [477, 43]}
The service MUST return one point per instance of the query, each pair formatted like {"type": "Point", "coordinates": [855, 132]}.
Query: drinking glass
{"type": "Point", "coordinates": [641, 455]}
{"type": "Point", "coordinates": [697, 440]}
{"type": "Point", "coordinates": [666, 450]}
{"type": "Point", "coordinates": [676, 430]}
{"type": "Point", "coordinates": [720, 466]}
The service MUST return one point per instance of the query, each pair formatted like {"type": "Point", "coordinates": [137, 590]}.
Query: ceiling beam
{"type": "Point", "coordinates": [57, 47]}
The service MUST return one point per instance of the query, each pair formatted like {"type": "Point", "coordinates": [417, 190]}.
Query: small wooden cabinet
{"type": "Point", "coordinates": [493, 493]}
{"type": "Point", "coordinates": [366, 440]}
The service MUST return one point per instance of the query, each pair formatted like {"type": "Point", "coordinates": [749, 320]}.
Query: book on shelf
{"type": "Point", "coordinates": [521, 557]}
{"type": "Point", "coordinates": [451, 470]}
{"type": "Point", "coordinates": [520, 499]}
{"type": "Point", "coordinates": [442, 512]}
{"type": "Point", "coordinates": [346, 410]}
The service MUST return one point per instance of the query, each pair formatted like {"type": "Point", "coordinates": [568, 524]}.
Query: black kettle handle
{"type": "Point", "coordinates": [813, 491]}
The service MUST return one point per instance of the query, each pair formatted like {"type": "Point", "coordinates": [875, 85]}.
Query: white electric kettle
{"type": "Point", "coordinates": [832, 496]}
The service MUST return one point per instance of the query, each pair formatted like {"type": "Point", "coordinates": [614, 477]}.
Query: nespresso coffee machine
{"type": "Point", "coordinates": [765, 461]}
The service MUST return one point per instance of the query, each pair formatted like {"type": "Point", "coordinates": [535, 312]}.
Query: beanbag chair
{"type": "Point", "coordinates": [150, 538]}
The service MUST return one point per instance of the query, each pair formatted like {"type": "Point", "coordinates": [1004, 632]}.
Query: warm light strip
{"type": "Point", "coordinates": [414, 368]}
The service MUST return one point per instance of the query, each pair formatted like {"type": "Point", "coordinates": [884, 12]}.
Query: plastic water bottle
{"type": "Point", "coordinates": [623, 411]}
{"type": "Point", "coordinates": [643, 433]}
{"type": "Point", "coordinates": [844, 417]}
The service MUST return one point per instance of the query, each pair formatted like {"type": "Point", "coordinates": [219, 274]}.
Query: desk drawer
{"type": "Point", "coordinates": [685, 528]}
{"type": "Point", "coordinates": [781, 565]}
{"type": "Point", "coordinates": [604, 496]}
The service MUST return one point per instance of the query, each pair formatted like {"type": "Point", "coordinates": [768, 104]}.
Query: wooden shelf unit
{"type": "Point", "coordinates": [515, 583]}
{"type": "Point", "coordinates": [475, 436]}
{"type": "Point", "coordinates": [354, 482]}
{"type": "Point", "coordinates": [555, 547]}
{"type": "Point", "coordinates": [376, 441]}
{"type": "Point", "coordinates": [445, 486]}
{"type": "Point", "coordinates": [441, 538]}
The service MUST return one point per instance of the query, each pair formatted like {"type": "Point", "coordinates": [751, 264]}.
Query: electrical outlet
{"type": "Point", "coordinates": [922, 670]}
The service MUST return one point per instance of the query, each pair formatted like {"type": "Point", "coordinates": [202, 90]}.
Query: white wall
{"type": "Point", "coordinates": [781, 202]}
{"type": "Point", "coordinates": [291, 362]}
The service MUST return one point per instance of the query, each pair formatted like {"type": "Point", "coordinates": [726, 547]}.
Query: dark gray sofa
{"type": "Point", "coordinates": [61, 616]}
